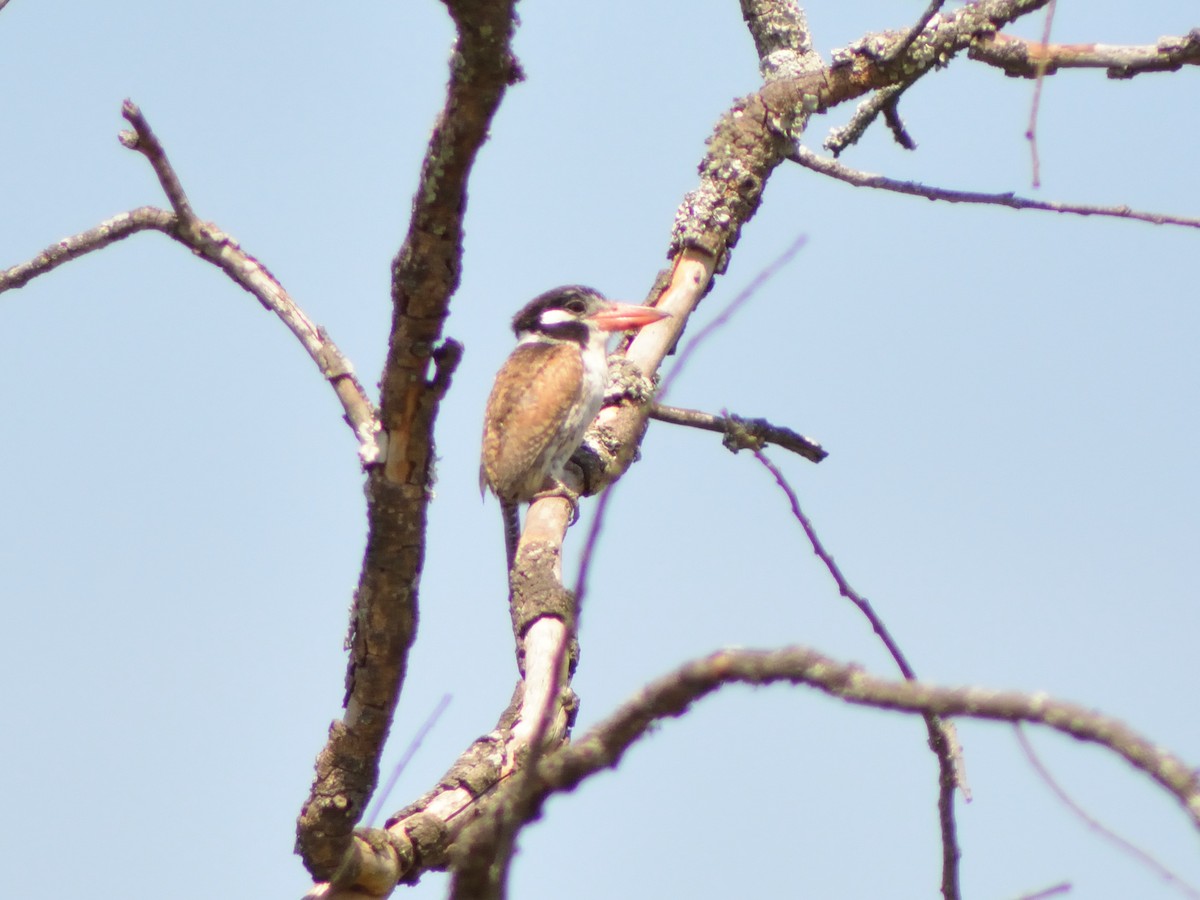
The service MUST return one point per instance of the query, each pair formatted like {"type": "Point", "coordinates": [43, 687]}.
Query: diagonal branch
{"type": "Point", "coordinates": [914, 32]}
{"type": "Point", "coordinates": [119, 227]}
{"type": "Point", "coordinates": [216, 247]}
{"type": "Point", "coordinates": [834, 169]}
{"type": "Point", "coordinates": [1097, 827]}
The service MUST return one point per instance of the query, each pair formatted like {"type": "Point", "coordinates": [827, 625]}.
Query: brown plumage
{"type": "Point", "coordinates": [524, 429]}
{"type": "Point", "coordinates": [547, 393]}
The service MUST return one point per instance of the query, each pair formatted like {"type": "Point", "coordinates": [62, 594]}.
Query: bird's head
{"type": "Point", "coordinates": [579, 314]}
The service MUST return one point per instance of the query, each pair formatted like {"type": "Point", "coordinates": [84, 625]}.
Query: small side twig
{"type": "Point", "coordinates": [1031, 131]}
{"type": "Point", "coordinates": [834, 169]}
{"type": "Point", "coordinates": [145, 141]}
{"type": "Point", "coordinates": [722, 318]}
{"type": "Point", "coordinates": [410, 751]}
{"type": "Point", "coordinates": [1052, 891]}
{"type": "Point", "coordinates": [885, 100]}
{"type": "Point", "coordinates": [1095, 825]}
{"type": "Point", "coordinates": [741, 433]}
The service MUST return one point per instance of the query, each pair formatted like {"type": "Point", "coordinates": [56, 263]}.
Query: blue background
{"type": "Point", "coordinates": [1009, 400]}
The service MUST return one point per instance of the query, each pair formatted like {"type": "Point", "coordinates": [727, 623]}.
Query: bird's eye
{"type": "Point", "coordinates": [576, 305]}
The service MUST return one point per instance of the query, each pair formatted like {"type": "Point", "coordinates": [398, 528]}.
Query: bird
{"type": "Point", "coordinates": [547, 393]}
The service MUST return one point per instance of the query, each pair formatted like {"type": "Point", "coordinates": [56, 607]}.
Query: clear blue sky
{"type": "Point", "coordinates": [1009, 400]}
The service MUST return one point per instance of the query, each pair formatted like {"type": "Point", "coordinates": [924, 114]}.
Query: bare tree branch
{"type": "Point", "coordinates": [119, 227]}
{"type": "Point", "coordinates": [781, 37]}
{"type": "Point", "coordinates": [1025, 59]}
{"type": "Point", "coordinates": [885, 100]}
{"type": "Point", "coordinates": [1035, 105]}
{"type": "Point", "coordinates": [741, 433]}
{"type": "Point", "coordinates": [670, 696]}
{"type": "Point", "coordinates": [834, 169]}
{"type": "Point", "coordinates": [144, 141]}
{"type": "Point", "coordinates": [911, 35]}
{"type": "Point", "coordinates": [605, 745]}
{"type": "Point", "coordinates": [425, 274]}
{"type": "Point", "coordinates": [214, 246]}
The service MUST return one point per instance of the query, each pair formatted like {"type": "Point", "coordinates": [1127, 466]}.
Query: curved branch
{"type": "Point", "coordinates": [425, 274]}
{"type": "Point", "coordinates": [670, 696]}
{"type": "Point", "coordinates": [119, 227]}
{"type": "Point", "coordinates": [216, 247]}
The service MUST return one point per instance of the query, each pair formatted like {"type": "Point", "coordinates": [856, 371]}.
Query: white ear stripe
{"type": "Point", "coordinates": [555, 317]}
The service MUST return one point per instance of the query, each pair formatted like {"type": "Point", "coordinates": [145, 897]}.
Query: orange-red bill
{"type": "Point", "coordinates": [626, 316]}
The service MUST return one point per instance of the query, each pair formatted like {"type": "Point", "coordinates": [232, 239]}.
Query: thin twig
{"type": "Point", "coordinates": [405, 758]}
{"type": "Point", "coordinates": [843, 586]}
{"type": "Point", "coordinates": [741, 433]}
{"type": "Point", "coordinates": [1052, 891]}
{"type": "Point", "coordinates": [885, 100]}
{"type": "Point", "coordinates": [835, 169]}
{"type": "Point", "coordinates": [1095, 825]}
{"type": "Point", "coordinates": [590, 544]}
{"type": "Point", "coordinates": [144, 141]}
{"type": "Point", "coordinates": [1031, 131]}
{"type": "Point", "coordinates": [942, 740]}
{"type": "Point", "coordinates": [723, 317]}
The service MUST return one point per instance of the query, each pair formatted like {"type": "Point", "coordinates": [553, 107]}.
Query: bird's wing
{"type": "Point", "coordinates": [534, 393]}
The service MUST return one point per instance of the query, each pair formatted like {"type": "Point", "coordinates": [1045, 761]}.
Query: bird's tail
{"type": "Point", "coordinates": [510, 510]}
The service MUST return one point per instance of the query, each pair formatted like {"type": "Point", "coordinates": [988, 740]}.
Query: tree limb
{"type": "Point", "coordinates": [834, 169]}
{"type": "Point", "coordinates": [1021, 58]}
{"type": "Point", "coordinates": [670, 696]}
{"type": "Point", "coordinates": [119, 227]}
{"type": "Point", "coordinates": [216, 247]}
{"type": "Point", "coordinates": [740, 433]}
{"type": "Point", "coordinates": [425, 274]}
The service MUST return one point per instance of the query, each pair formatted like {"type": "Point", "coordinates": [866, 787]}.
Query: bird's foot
{"type": "Point", "coordinates": [561, 490]}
